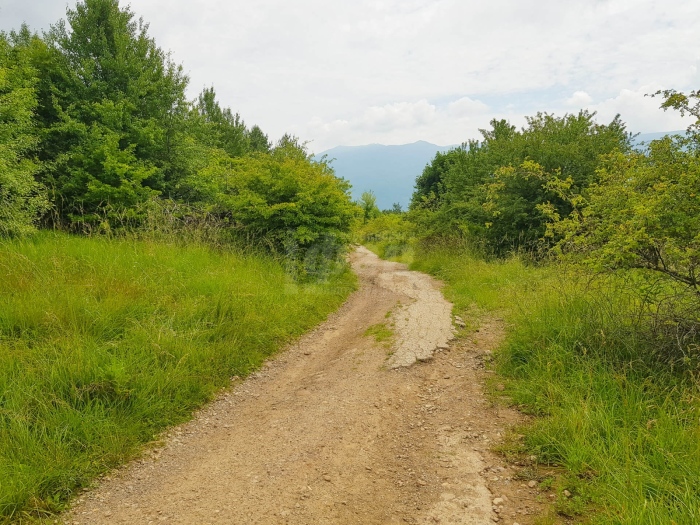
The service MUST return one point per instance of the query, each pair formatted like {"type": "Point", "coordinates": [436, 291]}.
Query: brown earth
{"type": "Point", "coordinates": [340, 429]}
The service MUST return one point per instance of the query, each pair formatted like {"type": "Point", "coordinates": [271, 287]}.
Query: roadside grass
{"type": "Point", "coordinates": [402, 253]}
{"type": "Point", "coordinates": [105, 343]}
{"type": "Point", "coordinates": [621, 425]}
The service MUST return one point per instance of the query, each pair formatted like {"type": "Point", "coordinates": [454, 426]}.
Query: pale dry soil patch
{"type": "Point", "coordinates": [340, 429]}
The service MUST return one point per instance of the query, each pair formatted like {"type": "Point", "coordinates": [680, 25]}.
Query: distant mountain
{"type": "Point", "coordinates": [389, 171]}
{"type": "Point", "coordinates": [648, 137]}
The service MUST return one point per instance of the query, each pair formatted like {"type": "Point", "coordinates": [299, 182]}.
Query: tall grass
{"type": "Point", "coordinates": [103, 344]}
{"type": "Point", "coordinates": [622, 423]}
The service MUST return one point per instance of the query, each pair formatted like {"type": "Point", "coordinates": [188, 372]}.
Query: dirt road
{"type": "Point", "coordinates": [339, 429]}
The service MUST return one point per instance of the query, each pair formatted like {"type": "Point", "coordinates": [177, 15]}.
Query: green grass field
{"type": "Point", "coordinates": [104, 343]}
{"type": "Point", "coordinates": [621, 427]}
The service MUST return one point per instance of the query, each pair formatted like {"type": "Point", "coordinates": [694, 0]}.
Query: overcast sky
{"type": "Point", "coordinates": [397, 71]}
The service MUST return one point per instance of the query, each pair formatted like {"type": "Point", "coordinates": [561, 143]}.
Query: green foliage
{"type": "Point", "coordinates": [109, 100]}
{"type": "Point", "coordinates": [644, 212]}
{"type": "Point", "coordinates": [390, 235]}
{"type": "Point", "coordinates": [22, 199]}
{"type": "Point", "coordinates": [258, 140]}
{"type": "Point", "coordinates": [283, 199]}
{"type": "Point", "coordinates": [491, 192]}
{"type": "Point", "coordinates": [219, 128]}
{"type": "Point", "coordinates": [103, 344]}
{"type": "Point", "coordinates": [368, 203]}
{"type": "Point", "coordinates": [685, 104]}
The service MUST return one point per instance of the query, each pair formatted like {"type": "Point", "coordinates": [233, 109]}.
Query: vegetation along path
{"type": "Point", "coordinates": [348, 426]}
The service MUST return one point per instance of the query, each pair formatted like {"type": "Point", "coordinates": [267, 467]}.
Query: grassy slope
{"type": "Point", "coordinates": [625, 429]}
{"type": "Point", "coordinates": [105, 343]}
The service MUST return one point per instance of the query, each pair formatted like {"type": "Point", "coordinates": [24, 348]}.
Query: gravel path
{"type": "Point", "coordinates": [338, 429]}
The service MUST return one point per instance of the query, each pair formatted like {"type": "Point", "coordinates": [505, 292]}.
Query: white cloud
{"type": "Point", "coordinates": [580, 99]}
{"type": "Point", "coordinates": [639, 111]}
{"type": "Point", "coordinates": [466, 107]}
{"type": "Point", "coordinates": [387, 66]}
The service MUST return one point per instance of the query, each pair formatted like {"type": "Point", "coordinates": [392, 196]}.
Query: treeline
{"type": "Point", "coordinates": [492, 190]}
{"type": "Point", "coordinates": [570, 186]}
{"type": "Point", "coordinates": [97, 135]}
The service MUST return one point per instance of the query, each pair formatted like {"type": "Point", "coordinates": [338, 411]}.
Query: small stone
{"type": "Point", "coordinates": [326, 477]}
{"type": "Point", "coordinates": [532, 458]}
{"type": "Point", "coordinates": [498, 501]}
{"type": "Point", "coordinates": [421, 482]}
{"type": "Point", "coordinates": [532, 484]}
{"type": "Point", "coordinates": [567, 493]}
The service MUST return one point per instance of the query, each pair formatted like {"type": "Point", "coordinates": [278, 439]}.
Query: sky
{"type": "Point", "coordinates": [357, 72]}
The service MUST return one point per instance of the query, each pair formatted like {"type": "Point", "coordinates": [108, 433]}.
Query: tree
{"type": "Point", "coordinates": [112, 113]}
{"type": "Point", "coordinates": [22, 199]}
{"type": "Point", "coordinates": [685, 104]}
{"type": "Point", "coordinates": [258, 140]}
{"type": "Point", "coordinates": [368, 203]}
{"type": "Point", "coordinates": [219, 128]}
{"type": "Point", "coordinates": [492, 191]}
{"type": "Point", "coordinates": [288, 202]}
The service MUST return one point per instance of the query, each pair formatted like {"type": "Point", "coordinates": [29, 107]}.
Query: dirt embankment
{"type": "Point", "coordinates": [339, 429]}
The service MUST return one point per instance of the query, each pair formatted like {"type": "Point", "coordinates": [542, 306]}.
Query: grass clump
{"type": "Point", "coordinates": [380, 332]}
{"type": "Point", "coordinates": [619, 420]}
{"type": "Point", "coordinates": [103, 344]}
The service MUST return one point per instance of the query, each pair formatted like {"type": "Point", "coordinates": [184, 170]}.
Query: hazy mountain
{"type": "Point", "coordinates": [389, 171]}
{"type": "Point", "coordinates": [648, 137]}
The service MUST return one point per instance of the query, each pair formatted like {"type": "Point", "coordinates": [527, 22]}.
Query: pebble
{"type": "Point", "coordinates": [498, 501]}
{"type": "Point", "coordinates": [532, 484]}
{"type": "Point", "coordinates": [567, 493]}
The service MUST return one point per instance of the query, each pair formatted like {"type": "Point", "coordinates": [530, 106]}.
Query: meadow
{"type": "Point", "coordinates": [105, 342]}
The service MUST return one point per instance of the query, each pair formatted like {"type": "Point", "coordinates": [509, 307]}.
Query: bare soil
{"type": "Point", "coordinates": [340, 429]}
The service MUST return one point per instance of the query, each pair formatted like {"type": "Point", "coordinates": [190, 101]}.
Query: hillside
{"type": "Point", "coordinates": [389, 171]}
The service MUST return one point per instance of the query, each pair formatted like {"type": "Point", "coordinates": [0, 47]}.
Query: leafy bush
{"type": "Point", "coordinates": [282, 200]}
{"type": "Point", "coordinates": [491, 190]}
